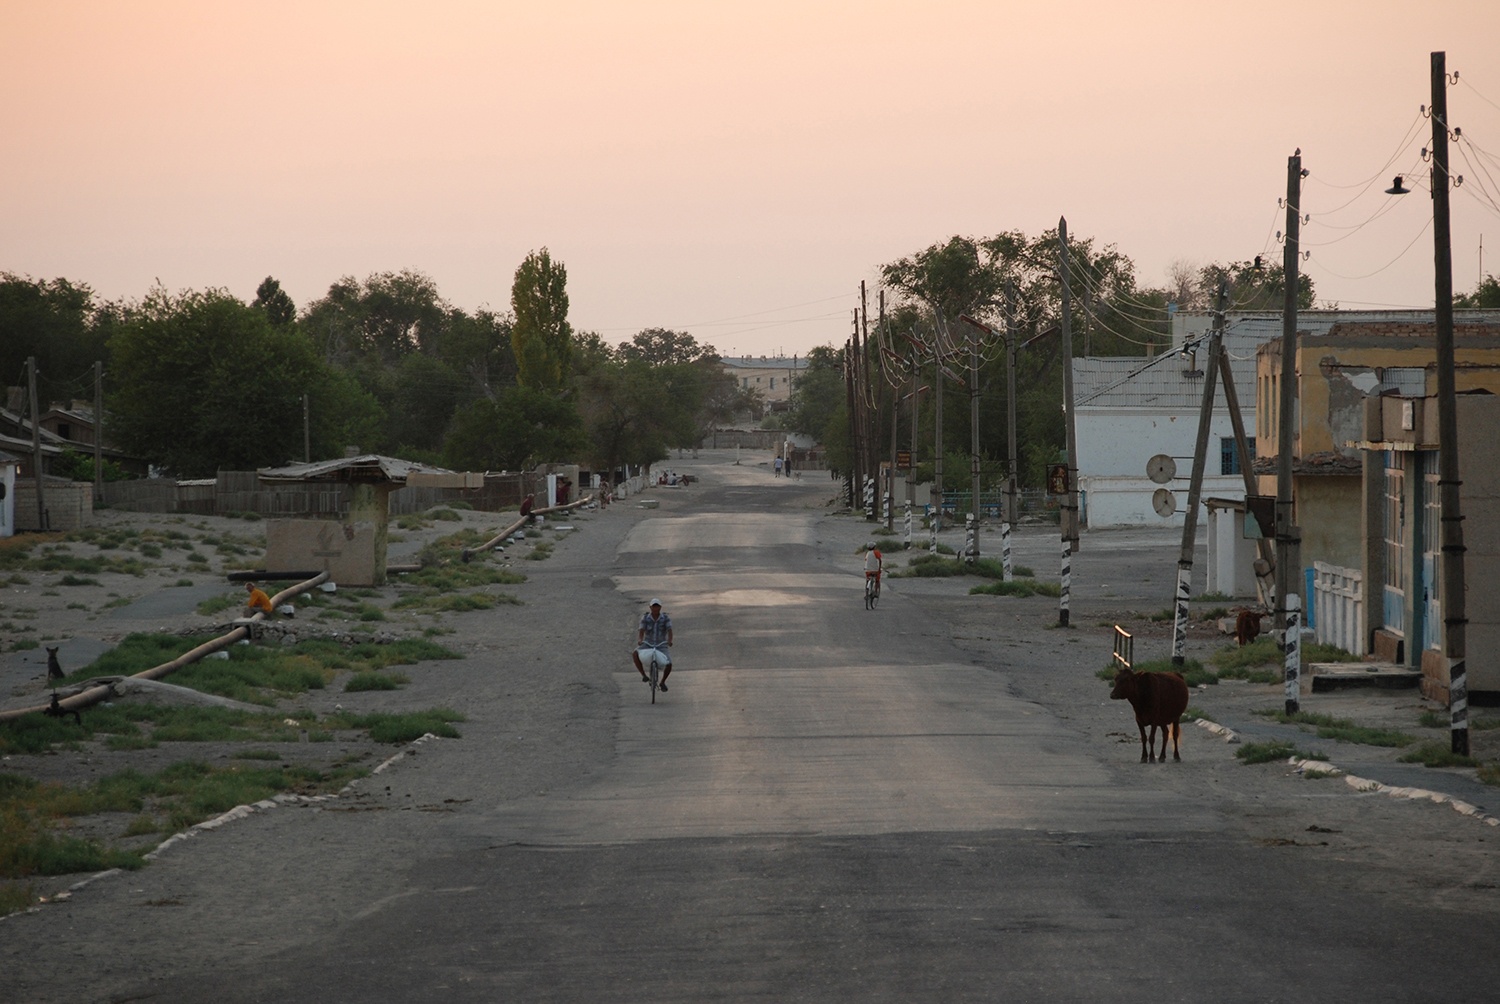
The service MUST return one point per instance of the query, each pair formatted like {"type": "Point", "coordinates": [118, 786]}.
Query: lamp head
{"type": "Point", "coordinates": [1397, 188]}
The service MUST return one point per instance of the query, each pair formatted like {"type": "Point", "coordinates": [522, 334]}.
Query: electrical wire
{"type": "Point", "coordinates": [1465, 82]}
{"type": "Point", "coordinates": [1382, 268]}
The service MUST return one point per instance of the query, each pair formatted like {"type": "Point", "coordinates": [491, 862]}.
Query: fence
{"type": "Point", "coordinates": [234, 492]}
{"type": "Point", "coordinates": [1339, 607]}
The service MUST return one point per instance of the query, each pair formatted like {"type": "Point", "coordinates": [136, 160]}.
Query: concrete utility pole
{"type": "Point", "coordinates": [1455, 621]}
{"type": "Point", "coordinates": [36, 444]}
{"type": "Point", "coordinates": [1195, 486]}
{"type": "Point", "coordinates": [306, 430]}
{"type": "Point", "coordinates": [853, 440]}
{"type": "Point", "coordinates": [1288, 536]}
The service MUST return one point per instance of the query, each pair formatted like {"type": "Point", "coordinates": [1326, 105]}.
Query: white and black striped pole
{"type": "Point", "coordinates": [907, 519]}
{"type": "Point", "coordinates": [971, 538]}
{"type": "Point", "coordinates": [1005, 550]}
{"type": "Point", "coordinates": [1067, 582]}
{"type": "Point", "coordinates": [1293, 650]}
{"type": "Point", "coordinates": [1179, 624]}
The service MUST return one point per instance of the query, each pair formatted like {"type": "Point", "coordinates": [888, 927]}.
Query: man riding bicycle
{"type": "Point", "coordinates": [874, 564]}
{"type": "Point", "coordinates": [655, 634]}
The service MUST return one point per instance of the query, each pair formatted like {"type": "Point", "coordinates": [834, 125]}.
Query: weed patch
{"type": "Point", "coordinates": [1341, 730]}
{"type": "Point", "coordinates": [400, 728]}
{"type": "Point", "coordinates": [1272, 751]}
{"type": "Point", "coordinates": [374, 681]}
{"type": "Point", "coordinates": [1438, 755]}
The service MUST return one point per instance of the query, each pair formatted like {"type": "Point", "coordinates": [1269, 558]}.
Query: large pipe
{"type": "Point", "coordinates": [94, 694]}
{"type": "Point", "coordinates": [529, 516]}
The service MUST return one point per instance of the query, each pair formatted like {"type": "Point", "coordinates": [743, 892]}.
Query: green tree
{"type": "Point", "coordinates": [519, 429]}
{"type": "Point", "coordinates": [57, 322]}
{"type": "Point", "coordinates": [661, 347]}
{"type": "Point", "coordinates": [819, 406]}
{"type": "Point", "coordinates": [541, 337]}
{"type": "Point", "coordinates": [1253, 285]}
{"type": "Point", "coordinates": [272, 299]}
{"type": "Point", "coordinates": [1486, 295]}
{"type": "Point", "coordinates": [204, 382]}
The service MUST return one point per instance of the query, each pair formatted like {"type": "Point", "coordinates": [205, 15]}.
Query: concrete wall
{"type": "Point", "coordinates": [1479, 431]}
{"type": "Point", "coordinates": [70, 505]}
{"type": "Point", "coordinates": [7, 499]}
{"type": "Point", "coordinates": [1327, 510]}
{"type": "Point", "coordinates": [1114, 445]}
{"type": "Point", "coordinates": [347, 551]}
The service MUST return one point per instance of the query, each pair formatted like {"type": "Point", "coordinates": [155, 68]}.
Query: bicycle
{"type": "Point", "coordinates": [872, 591]}
{"type": "Point", "coordinates": [654, 663]}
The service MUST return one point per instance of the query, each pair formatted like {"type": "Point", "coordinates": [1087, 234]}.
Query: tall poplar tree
{"type": "Point", "coordinates": [541, 336]}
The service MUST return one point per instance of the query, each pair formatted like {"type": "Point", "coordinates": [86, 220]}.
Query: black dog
{"type": "Point", "coordinates": [54, 668]}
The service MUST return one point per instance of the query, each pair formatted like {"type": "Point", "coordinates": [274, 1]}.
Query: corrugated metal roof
{"type": "Point", "coordinates": [370, 467]}
{"type": "Point", "coordinates": [1172, 381]}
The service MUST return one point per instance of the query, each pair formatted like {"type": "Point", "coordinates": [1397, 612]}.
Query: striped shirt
{"type": "Point", "coordinates": [656, 628]}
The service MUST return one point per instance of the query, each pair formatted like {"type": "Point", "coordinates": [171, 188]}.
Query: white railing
{"type": "Point", "coordinates": [1340, 597]}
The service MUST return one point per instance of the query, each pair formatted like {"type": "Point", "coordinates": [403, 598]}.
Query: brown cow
{"type": "Point", "coordinates": [1246, 627]}
{"type": "Point", "coordinates": [1159, 699]}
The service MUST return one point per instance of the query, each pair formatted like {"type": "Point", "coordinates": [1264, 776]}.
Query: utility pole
{"type": "Point", "coordinates": [98, 432]}
{"type": "Point", "coordinates": [306, 431]}
{"type": "Point", "coordinates": [1288, 556]}
{"type": "Point", "coordinates": [974, 440]}
{"type": "Point", "coordinates": [1070, 499]}
{"type": "Point", "coordinates": [1195, 485]}
{"type": "Point", "coordinates": [1455, 621]}
{"type": "Point", "coordinates": [895, 397]}
{"type": "Point", "coordinates": [36, 444]}
{"type": "Point", "coordinates": [939, 329]}
{"type": "Point", "coordinates": [1012, 502]}
{"type": "Point", "coordinates": [1265, 567]}
{"type": "Point", "coordinates": [853, 450]}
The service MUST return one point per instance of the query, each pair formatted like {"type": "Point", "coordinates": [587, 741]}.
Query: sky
{"type": "Point", "coordinates": [730, 168]}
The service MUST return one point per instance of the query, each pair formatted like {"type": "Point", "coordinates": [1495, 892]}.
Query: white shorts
{"type": "Point", "coordinates": [646, 651]}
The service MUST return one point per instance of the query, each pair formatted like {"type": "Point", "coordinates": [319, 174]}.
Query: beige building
{"type": "Point", "coordinates": [1364, 488]}
{"type": "Point", "coordinates": [772, 376]}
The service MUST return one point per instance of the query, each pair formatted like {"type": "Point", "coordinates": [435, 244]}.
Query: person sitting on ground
{"type": "Point", "coordinates": [655, 633]}
{"type": "Point", "coordinates": [257, 601]}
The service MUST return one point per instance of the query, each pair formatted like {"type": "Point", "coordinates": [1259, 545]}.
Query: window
{"type": "Point", "coordinates": [1229, 457]}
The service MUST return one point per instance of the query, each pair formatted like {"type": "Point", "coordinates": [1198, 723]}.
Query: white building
{"type": "Point", "coordinates": [1132, 409]}
{"type": "Point", "coordinates": [772, 376]}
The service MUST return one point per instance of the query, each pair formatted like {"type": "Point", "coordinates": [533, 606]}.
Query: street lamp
{"type": "Point", "coordinates": [1453, 601]}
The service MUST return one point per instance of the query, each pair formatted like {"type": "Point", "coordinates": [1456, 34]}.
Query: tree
{"type": "Point", "coordinates": [272, 299]}
{"type": "Point", "coordinates": [541, 336]}
{"type": "Point", "coordinates": [1254, 285]}
{"type": "Point", "coordinates": [518, 429]}
{"type": "Point", "coordinates": [57, 322]}
{"type": "Point", "coordinates": [661, 347]}
{"type": "Point", "coordinates": [819, 406]}
{"type": "Point", "coordinates": [388, 316]}
{"type": "Point", "coordinates": [1486, 295]}
{"type": "Point", "coordinates": [204, 382]}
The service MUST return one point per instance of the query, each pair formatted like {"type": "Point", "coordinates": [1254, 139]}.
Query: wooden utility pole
{"type": "Point", "coordinates": [853, 439]}
{"type": "Point", "coordinates": [940, 330]}
{"type": "Point", "coordinates": [1012, 502]}
{"type": "Point", "coordinates": [1455, 620]}
{"type": "Point", "coordinates": [36, 443]}
{"type": "Point", "coordinates": [895, 398]}
{"type": "Point", "coordinates": [98, 432]}
{"type": "Point", "coordinates": [974, 436]}
{"type": "Point", "coordinates": [1288, 558]}
{"type": "Point", "coordinates": [1195, 486]}
{"type": "Point", "coordinates": [1069, 515]}
{"type": "Point", "coordinates": [306, 431]}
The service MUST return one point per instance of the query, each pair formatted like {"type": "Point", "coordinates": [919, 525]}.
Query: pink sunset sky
{"type": "Point", "coordinates": [732, 169]}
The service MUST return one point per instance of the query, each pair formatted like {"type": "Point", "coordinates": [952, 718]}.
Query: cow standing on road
{"type": "Point", "coordinates": [1159, 699]}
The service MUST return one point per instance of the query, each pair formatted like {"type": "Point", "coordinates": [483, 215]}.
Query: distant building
{"type": "Point", "coordinates": [772, 376]}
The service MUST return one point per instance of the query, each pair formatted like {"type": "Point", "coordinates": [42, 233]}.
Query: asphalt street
{"type": "Point", "coordinates": [830, 804]}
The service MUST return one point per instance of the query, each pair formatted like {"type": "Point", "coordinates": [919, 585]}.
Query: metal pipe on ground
{"type": "Point", "coordinates": [92, 695]}
{"type": "Point", "coordinates": [526, 517]}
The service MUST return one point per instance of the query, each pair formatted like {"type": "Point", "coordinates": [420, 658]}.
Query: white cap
{"type": "Point", "coordinates": [655, 603]}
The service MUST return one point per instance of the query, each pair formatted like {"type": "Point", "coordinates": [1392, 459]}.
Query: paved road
{"type": "Point", "coordinates": [829, 805]}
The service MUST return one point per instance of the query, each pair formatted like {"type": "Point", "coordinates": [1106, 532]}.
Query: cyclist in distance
{"type": "Point", "coordinates": [655, 633]}
{"type": "Point", "coordinates": [874, 563]}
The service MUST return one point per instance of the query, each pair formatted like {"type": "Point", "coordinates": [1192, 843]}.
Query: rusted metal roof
{"type": "Point", "coordinates": [370, 468]}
